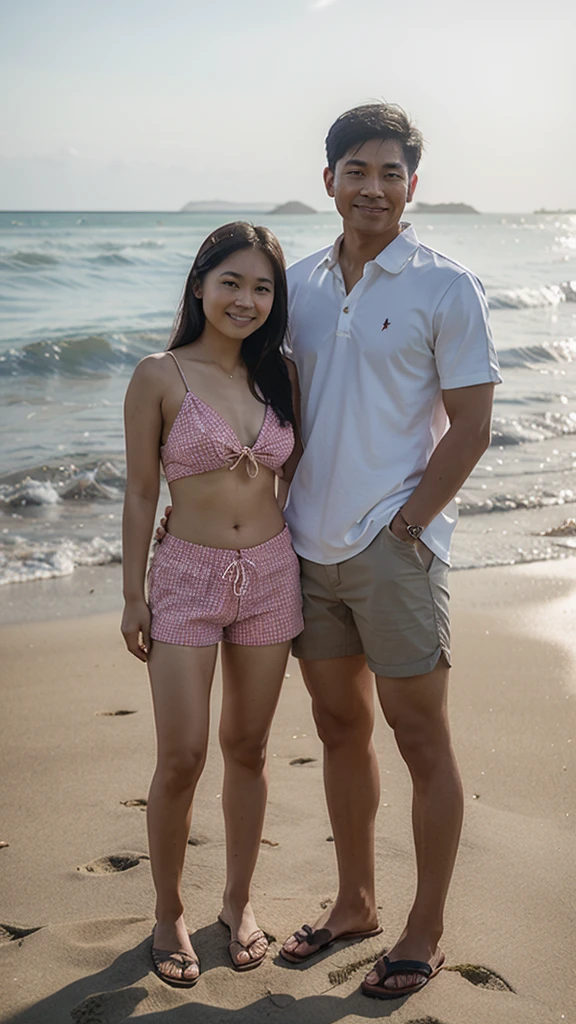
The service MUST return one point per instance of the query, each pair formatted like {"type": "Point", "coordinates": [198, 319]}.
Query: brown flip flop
{"type": "Point", "coordinates": [386, 968]}
{"type": "Point", "coordinates": [322, 938]}
{"type": "Point", "coordinates": [254, 961]}
{"type": "Point", "coordinates": [180, 959]}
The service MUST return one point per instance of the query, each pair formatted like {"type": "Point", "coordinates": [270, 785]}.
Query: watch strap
{"type": "Point", "coordinates": [414, 531]}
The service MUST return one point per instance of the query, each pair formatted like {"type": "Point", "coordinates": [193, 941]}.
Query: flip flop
{"type": "Point", "coordinates": [322, 938]}
{"type": "Point", "coordinates": [386, 968]}
{"type": "Point", "coordinates": [254, 961]}
{"type": "Point", "coordinates": [180, 959]}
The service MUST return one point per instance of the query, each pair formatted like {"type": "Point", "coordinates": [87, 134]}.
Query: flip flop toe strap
{"type": "Point", "coordinates": [386, 968]}
{"type": "Point", "coordinates": [251, 941]}
{"type": "Point", "coordinates": [313, 938]}
{"type": "Point", "coordinates": [182, 960]}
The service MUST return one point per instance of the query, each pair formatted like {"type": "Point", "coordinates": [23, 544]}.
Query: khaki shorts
{"type": "Point", "coordinates": [381, 603]}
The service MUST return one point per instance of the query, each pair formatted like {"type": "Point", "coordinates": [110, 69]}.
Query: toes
{"type": "Point", "coordinates": [371, 978]}
{"type": "Point", "coordinates": [242, 957]}
{"type": "Point", "coordinates": [258, 948]}
{"type": "Point", "coordinates": [403, 981]}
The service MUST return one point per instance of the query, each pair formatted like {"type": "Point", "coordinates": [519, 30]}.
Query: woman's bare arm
{"type": "Point", "coordinates": [143, 428]}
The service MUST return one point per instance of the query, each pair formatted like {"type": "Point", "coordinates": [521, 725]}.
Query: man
{"type": "Point", "coordinates": [397, 371]}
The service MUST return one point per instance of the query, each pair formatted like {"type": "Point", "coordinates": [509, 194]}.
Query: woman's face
{"type": "Point", "coordinates": [238, 294]}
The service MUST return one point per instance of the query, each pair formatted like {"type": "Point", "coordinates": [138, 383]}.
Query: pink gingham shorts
{"type": "Point", "coordinates": [199, 596]}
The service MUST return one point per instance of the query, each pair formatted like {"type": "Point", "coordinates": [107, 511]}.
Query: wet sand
{"type": "Point", "coordinates": [76, 755]}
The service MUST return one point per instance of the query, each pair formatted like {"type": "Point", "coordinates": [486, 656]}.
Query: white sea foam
{"type": "Point", "coordinates": [23, 561]}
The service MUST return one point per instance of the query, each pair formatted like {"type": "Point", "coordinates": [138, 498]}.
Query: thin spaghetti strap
{"type": "Point", "coordinates": [180, 371]}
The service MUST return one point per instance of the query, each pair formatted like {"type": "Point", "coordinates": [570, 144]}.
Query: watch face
{"type": "Point", "coordinates": [415, 531]}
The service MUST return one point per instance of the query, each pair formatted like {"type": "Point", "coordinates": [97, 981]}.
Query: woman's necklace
{"type": "Point", "coordinates": [230, 375]}
{"type": "Point", "coordinates": [212, 362]}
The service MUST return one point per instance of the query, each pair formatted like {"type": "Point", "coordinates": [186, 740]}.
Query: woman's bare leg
{"type": "Point", "coordinates": [252, 678]}
{"type": "Point", "coordinates": [181, 680]}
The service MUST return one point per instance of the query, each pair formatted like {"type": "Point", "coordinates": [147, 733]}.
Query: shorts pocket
{"type": "Point", "coordinates": [410, 551]}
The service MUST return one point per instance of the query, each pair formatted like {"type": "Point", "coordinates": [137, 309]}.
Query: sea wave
{"type": "Point", "coordinates": [537, 427]}
{"type": "Point", "coordinates": [81, 355]}
{"type": "Point", "coordinates": [103, 481]}
{"type": "Point", "coordinates": [19, 258]}
{"type": "Point", "coordinates": [22, 560]}
{"type": "Point", "coordinates": [513, 502]}
{"type": "Point", "coordinates": [111, 259]}
{"type": "Point", "coordinates": [144, 243]}
{"type": "Point", "coordinates": [529, 298]}
{"type": "Point", "coordinates": [527, 356]}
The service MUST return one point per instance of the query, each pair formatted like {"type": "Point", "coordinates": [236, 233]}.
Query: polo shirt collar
{"type": "Point", "coordinates": [393, 258]}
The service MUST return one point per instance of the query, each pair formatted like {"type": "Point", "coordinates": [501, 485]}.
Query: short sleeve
{"type": "Point", "coordinates": [463, 345]}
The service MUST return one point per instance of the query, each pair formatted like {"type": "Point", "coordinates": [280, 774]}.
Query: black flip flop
{"type": "Point", "coordinates": [322, 938]}
{"type": "Point", "coordinates": [386, 968]}
{"type": "Point", "coordinates": [162, 956]}
{"type": "Point", "coordinates": [254, 961]}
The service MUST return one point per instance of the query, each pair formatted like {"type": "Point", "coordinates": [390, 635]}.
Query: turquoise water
{"type": "Point", "coordinates": [83, 296]}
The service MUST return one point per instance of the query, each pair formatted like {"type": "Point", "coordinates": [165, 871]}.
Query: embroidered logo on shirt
{"type": "Point", "coordinates": [386, 324]}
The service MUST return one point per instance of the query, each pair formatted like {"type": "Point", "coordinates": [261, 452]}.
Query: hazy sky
{"type": "Point", "coordinates": [134, 104]}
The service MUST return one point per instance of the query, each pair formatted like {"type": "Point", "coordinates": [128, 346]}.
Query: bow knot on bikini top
{"type": "Point", "coordinates": [201, 440]}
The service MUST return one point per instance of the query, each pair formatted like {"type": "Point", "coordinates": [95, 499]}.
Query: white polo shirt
{"type": "Point", "coordinates": [372, 365]}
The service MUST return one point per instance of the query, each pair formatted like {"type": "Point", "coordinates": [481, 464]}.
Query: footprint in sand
{"type": "Point", "coordinates": [303, 760]}
{"type": "Point", "coordinates": [137, 802]}
{"type": "Point", "coordinates": [476, 974]}
{"type": "Point", "coordinates": [425, 1020]}
{"type": "Point", "coordinates": [197, 840]}
{"type": "Point", "coordinates": [121, 711]}
{"type": "Point", "coordinates": [108, 1007]}
{"type": "Point", "coordinates": [341, 974]}
{"type": "Point", "coordinates": [112, 863]}
{"type": "Point", "coordinates": [11, 932]}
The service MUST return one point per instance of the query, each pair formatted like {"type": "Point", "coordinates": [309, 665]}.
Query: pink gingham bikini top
{"type": "Point", "coordinates": [201, 440]}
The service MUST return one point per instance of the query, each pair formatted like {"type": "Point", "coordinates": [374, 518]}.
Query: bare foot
{"type": "Point", "coordinates": [338, 921]}
{"type": "Point", "coordinates": [173, 936]}
{"type": "Point", "coordinates": [242, 924]}
{"type": "Point", "coordinates": [409, 948]}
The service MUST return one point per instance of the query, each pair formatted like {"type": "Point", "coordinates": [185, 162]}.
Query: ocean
{"type": "Point", "coordinates": [84, 296]}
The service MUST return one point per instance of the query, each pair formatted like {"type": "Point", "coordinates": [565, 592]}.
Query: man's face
{"type": "Point", "coordinates": [371, 186]}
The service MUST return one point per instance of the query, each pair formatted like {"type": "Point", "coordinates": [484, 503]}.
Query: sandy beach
{"type": "Point", "coordinates": [76, 755]}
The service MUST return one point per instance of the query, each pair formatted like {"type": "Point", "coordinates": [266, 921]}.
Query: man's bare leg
{"type": "Point", "coordinates": [342, 691]}
{"type": "Point", "coordinates": [416, 709]}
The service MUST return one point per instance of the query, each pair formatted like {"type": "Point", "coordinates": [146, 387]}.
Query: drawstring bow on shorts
{"type": "Point", "coordinates": [236, 572]}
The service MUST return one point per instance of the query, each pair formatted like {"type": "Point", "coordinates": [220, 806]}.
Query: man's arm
{"type": "Point", "coordinates": [289, 467]}
{"type": "Point", "coordinates": [469, 411]}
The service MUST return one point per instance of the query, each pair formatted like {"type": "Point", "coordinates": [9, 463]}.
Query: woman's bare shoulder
{"type": "Point", "coordinates": [153, 370]}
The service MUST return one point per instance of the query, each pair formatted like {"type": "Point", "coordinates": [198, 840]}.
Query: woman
{"type": "Point", "coordinates": [216, 408]}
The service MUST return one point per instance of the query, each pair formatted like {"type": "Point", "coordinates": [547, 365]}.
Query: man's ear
{"type": "Point", "coordinates": [411, 188]}
{"type": "Point", "coordinates": [328, 176]}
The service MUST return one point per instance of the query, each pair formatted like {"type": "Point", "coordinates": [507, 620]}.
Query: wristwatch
{"type": "Point", "coordinates": [414, 531]}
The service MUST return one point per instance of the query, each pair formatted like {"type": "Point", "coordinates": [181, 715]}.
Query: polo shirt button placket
{"type": "Point", "coordinates": [343, 325]}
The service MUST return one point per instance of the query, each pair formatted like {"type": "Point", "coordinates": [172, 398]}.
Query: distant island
{"type": "Point", "coordinates": [223, 206]}
{"type": "Point", "coordinates": [293, 207]}
{"type": "Point", "coordinates": [555, 211]}
{"type": "Point", "coordinates": [443, 208]}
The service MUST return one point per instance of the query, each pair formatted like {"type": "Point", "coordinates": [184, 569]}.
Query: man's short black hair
{"type": "Point", "coordinates": [374, 121]}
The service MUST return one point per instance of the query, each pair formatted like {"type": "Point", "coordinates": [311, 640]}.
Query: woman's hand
{"type": "Point", "coordinates": [135, 628]}
{"type": "Point", "coordinates": [161, 530]}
